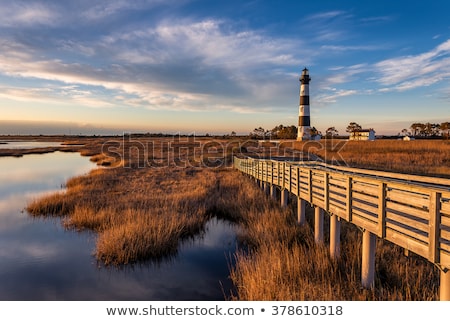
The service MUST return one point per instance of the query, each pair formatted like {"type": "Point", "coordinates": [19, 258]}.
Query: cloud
{"type": "Point", "coordinates": [328, 26]}
{"type": "Point", "coordinates": [210, 41]}
{"type": "Point", "coordinates": [413, 71]}
{"type": "Point", "coordinates": [377, 19]}
{"type": "Point", "coordinates": [23, 13]}
{"type": "Point", "coordinates": [186, 65]}
{"type": "Point", "coordinates": [107, 8]}
{"type": "Point", "coordinates": [333, 95]}
{"type": "Point", "coordinates": [346, 74]}
{"type": "Point", "coordinates": [327, 15]}
{"type": "Point", "coordinates": [345, 48]}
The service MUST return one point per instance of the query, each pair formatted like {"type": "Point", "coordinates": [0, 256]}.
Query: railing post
{"type": "Point", "coordinates": [382, 210]}
{"type": "Point", "coordinates": [301, 211]}
{"type": "Point", "coordinates": [348, 198]}
{"type": "Point", "coordinates": [310, 186]}
{"type": "Point", "coordinates": [290, 178]}
{"type": "Point", "coordinates": [434, 226]}
{"type": "Point", "coordinates": [278, 173]}
{"type": "Point", "coordinates": [368, 259]}
{"type": "Point", "coordinates": [326, 193]}
{"type": "Point", "coordinates": [444, 286]}
{"type": "Point", "coordinates": [271, 173]}
{"type": "Point", "coordinates": [318, 225]}
{"type": "Point", "coordinates": [335, 236]}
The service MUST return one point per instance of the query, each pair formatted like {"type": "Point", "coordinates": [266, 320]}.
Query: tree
{"type": "Point", "coordinates": [405, 132]}
{"type": "Point", "coordinates": [427, 129]}
{"type": "Point", "coordinates": [417, 129]}
{"type": "Point", "coordinates": [288, 132]}
{"type": "Point", "coordinates": [314, 132]}
{"type": "Point", "coordinates": [331, 131]}
{"type": "Point", "coordinates": [352, 127]}
{"type": "Point", "coordinates": [258, 132]}
{"type": "Point", "coordinates": [284, 132]}
{"type": "Point", "coordinates": [276, 131]}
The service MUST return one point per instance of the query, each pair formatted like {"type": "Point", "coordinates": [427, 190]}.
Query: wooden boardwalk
{"type": "Point", "coordinates": [408, 210]}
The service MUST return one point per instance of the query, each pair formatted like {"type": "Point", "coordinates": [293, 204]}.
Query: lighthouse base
{"type": "Point", "coordinates": [303, 136]}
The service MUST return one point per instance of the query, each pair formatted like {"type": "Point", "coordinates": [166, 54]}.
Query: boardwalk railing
{"type": "Point", "coordinates": [408, 210]}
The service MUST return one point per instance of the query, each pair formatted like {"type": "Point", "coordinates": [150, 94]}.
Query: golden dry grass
{"type": "Point", "coordinates": [423, 157]}
{"type": "Point", "coordinates": [138, 213]}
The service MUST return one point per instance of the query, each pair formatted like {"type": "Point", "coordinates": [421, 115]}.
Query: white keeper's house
{"type": "Point", "coordinates": [362, 134]}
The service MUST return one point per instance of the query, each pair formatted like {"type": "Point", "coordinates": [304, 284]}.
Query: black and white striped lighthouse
{"type": "Point", "coordinates": [304, 122]}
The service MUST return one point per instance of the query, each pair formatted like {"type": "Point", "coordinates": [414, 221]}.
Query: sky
{"type": "Point", "coordinates": [204, 66]}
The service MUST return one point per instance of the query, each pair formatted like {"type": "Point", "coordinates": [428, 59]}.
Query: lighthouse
{"type": "Point", "coordinates": [304, 122]}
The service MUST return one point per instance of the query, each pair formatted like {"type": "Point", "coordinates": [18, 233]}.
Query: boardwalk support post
{"type": "Point", "coordinates": [284, 197]}
{"type": "Point", "coordinates": [368, 259]}
{"type": "Point", "coordinates": [267, 188]}
{"type": "Point", "coordinates": [444, 286]}
{"type": "Point", "coordinates": [318, 225]}
{"type": "Point", "coordinates": [301, 211]}
{"type": "Point", "coordinates": [335, 236]}
{"type": "Point", "coordinates": [273, 191]}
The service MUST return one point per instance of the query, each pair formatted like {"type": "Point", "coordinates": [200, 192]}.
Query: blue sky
{"type": "Point", "coordinates": [97, 66]}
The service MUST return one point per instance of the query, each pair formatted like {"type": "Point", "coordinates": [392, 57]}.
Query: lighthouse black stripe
{"type": "Point", "coordinates": [303, 121]}
{"type": "Point", "coordinates": [304, 100]}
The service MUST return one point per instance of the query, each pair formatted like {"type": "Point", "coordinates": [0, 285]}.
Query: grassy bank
{"type": "Point", "coordinates": [138, 214]}
{"type": "Point", "coordinates": [423, 157]}
{"type": "Point", "coordinates": [156, 193]}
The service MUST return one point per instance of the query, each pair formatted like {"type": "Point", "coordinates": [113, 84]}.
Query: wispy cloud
{"type": "Point", "coordinates": [211, 41]}
{"type": "Point", "coordinates": [333, 94]}
{"type": "Point", "coordinates": [346, 48]}
{"type": "Point", "coordinates": [188, 65]}
{"type": "Point", "coordinates": [396, 74]}
{"type": "Point", "coordinates": [326, 15]}
{"type": "Point", "coordinates": [329, 26]}
{"type": "Point", "coordinates": [377, 19]}
{"type": "Point", "coordinates": [106, 8]}
{"type": "Point", "coordinates": [23, 13]}
{"type": "Point", "coordinates": [409, 72]}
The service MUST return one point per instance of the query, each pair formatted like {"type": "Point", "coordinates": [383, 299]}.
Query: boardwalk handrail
{"type": "Point", "coordinates": [408, 210]}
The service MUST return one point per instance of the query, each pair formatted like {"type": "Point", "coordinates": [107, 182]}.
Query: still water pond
{"type": "Point", "coordinates": [39, 260]}
{"type": "Point", "coordinates": [4, 144]}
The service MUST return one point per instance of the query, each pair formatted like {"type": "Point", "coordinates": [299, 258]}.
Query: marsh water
{"type": "Point", "coordinates": [18, 144]}
{"type": "Point", "coordinates": [40, 260]}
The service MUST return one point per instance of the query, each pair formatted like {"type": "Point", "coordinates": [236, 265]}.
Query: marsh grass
{"type": "Point", "coordinates": [422, 157]}
{"type": "Point", "coordinates": [138, 214]}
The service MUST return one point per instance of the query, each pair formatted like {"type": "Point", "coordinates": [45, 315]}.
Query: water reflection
{"type": "Point", "coordinates": [4, 144]}
{"type": "Point", "coordinates": [39, 260]}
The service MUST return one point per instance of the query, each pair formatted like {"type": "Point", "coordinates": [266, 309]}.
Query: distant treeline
{"type": "Point", "coordinates": [428, 130]}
